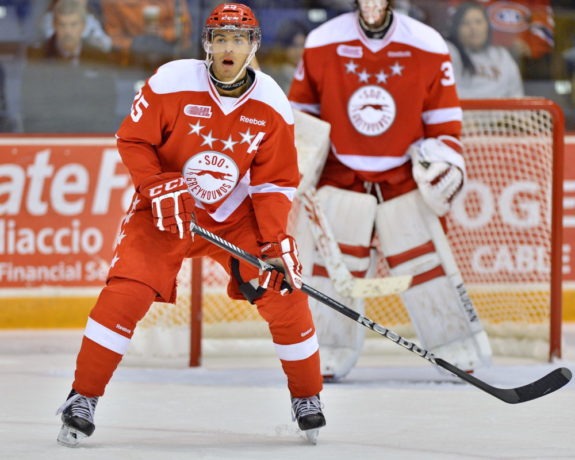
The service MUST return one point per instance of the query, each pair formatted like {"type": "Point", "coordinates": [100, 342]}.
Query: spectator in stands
{"type": "Point", "coordinates": [69, 19]}
{"type": "Point", "coordinates": [93, 34]}
{"type": "Point", "coordinates": [482, 70]}
{"type": "Point", "coordinates": [148, 32]}
{"type": "Point", "coordinates": [524, 27]}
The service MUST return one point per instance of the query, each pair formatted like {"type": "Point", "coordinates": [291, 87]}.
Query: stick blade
{"type": "Point", "coordinates": [545, 385]}
{"type": "Point", "coordinates": [378, 287]}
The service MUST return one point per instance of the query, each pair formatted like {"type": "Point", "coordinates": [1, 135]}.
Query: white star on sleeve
{"type": "Point", "coordinates": [247, 137]}
{"type": "Point", "coordinates": [229, 144]}
{"type": "Point", "coordinates": [128, 217]}
{"type": "Point", "coordinates": [350, 67]}
{"type": "Point", "coordinates": [396, 69]}
{"type": "Point", "coordinates": [120, 237]}
{"type": "Point", "coordinates": [195, 129]}
{"type": "Point", "coordinates": [381, 77]}
{"type": "Point", "coordinates": [363, 76]}
{"type": "Point", "coordinates": [114, 260]}
{"type": "Point", "coordinates": [208, 139]}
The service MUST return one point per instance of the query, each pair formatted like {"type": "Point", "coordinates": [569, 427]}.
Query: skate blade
{"type": "Point", "coordinates": [311, 435]}
{"type": "Point", "coordinates": [70, 437]}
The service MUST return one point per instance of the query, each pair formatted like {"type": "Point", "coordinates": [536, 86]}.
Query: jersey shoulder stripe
{"type": "Point", "coordinates": [407, 31]}
{"type": "Point", "coordinates": [270, 93]}
{"type": "Point", "coordinates": [337, 30]}
{"type": "Point", "coordinates": [414, 33]}
{"type": "Point", "coordinates": [179, 75]}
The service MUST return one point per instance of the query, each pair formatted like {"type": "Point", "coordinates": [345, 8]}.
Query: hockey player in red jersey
{"type": "Point", "coordinates": [385, 83]}
{"type": "Point", "coordinates": [216, 139]}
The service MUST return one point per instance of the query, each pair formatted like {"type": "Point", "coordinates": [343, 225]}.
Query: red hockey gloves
{"type": "Point", "coordinates": [172, 204]}
{"type": "Point", "coordinates": [283, 255]}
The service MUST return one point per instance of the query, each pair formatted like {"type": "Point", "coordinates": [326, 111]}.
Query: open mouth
{"type": "Point", "coordinates": [228, 62]}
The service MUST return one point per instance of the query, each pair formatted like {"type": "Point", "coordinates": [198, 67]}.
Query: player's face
{"type": "Point", "coordinates": [373, 11]}
{"type": "Point", "coordinates": [473, 30]}
{"type": "Point", "coordinates": [230, 50]}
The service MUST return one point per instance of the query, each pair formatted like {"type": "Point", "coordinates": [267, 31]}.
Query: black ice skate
{"type": "Point", "coordinates": [77, 419]}
{"type": "Point", "coordinates": [307, 412]}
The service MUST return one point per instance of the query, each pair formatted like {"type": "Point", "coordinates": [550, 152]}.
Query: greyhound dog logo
{"type": "Point", "coordinates": [371, 110]}
{"type": "Point", "coordinates": [210, 176]}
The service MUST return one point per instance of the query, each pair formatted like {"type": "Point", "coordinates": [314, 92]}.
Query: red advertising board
{"type": "Point", "coordinates": [61, 202]}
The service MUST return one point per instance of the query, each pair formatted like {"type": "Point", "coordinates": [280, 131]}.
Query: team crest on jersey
{"type": "Point", "coordinates": [210, 176]}
{"type": "Point", "coordinates": [371, 110]}
{"type": "Point", "coordinates": [509, 17]}
{"type": "Point", "coordinates": [202, 111]}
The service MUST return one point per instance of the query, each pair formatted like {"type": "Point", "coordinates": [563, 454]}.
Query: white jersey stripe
{"type": "Point", "coordinates": [106, 337]}
{"type": "Point", "coordinates": [309, 108]}
{"type": "Point", "coordinates": [289, 192]}
{"type": "Point", "coordinates": [297, 351]}
{"type": "Point", "coordinates": [370, 163]}
{"type": "Point", "coordinates": [232, 202]}
{"type": "Point", "coordinates": [437, 116]}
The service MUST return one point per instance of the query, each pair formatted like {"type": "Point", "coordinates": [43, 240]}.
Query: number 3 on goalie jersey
{"type": "Point", "coordinates": [139, 104]}
{"type": "Point", "coordinates": [448, 75]}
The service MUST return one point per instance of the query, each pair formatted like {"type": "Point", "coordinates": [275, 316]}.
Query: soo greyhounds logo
{"type": "Point", "coordinates": [371, 110]}
{"type": "Point", "coordinates": [210, 176]}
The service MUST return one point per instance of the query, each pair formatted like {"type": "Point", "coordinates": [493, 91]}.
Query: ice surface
{"type": "Point", "coordinates": [390, 407]}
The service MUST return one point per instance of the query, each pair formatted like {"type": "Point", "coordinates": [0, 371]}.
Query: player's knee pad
{"type": "Point", "coordinates": [121, 304]}
{"type": "Point", "coordinates": [413, 243]}
{"type": "Point", "coordinates": [350, 216]}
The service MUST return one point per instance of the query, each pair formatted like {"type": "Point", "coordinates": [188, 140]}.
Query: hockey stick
{"type": "Point", "coordinates": [545, 385]}
{"type": "Point", "coordinates": [345, 284]}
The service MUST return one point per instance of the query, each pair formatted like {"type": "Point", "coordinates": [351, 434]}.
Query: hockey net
{"type": "Point", "coordinates": [504, 230]}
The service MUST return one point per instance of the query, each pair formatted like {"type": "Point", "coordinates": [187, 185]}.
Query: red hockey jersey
{"type": "Point", "coordinates": [237, 155]}
{"type": "Point", "coordinates": [380, 96]}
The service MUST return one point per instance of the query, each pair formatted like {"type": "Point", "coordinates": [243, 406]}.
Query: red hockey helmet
{"type": "Point", "coordinates": [232, 16]}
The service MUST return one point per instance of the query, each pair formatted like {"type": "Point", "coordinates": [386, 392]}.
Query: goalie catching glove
{"type": "Point", "coordinates": [284, 255]}
{"type": "Point", "coordinates": [172, 204]}
{"type": "Point", "coordinates": [439, 172]}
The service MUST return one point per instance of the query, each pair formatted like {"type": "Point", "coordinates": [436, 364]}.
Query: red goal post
{"type": "Point", "coordinates": [509, 255]}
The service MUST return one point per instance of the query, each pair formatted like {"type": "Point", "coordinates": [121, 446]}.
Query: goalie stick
{"type": "Point", "coordinates": [344, 283]}
{"type": "Point", "coordinates": [541, 387]}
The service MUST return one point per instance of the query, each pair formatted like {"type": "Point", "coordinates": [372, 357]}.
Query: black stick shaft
{"type": "Point", "coordinates": [545, 385]}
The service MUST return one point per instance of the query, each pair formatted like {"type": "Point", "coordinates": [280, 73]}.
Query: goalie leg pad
{"type": "Point", "coordinates": [340, 339]}
{"type": "Point", "coordinates": [413, 242]}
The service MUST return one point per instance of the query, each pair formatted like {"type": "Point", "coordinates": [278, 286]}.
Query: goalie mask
{"type": "Point", "coordinates": [230, 38]}
{"type": "Point", "coordinates": [373, 13]}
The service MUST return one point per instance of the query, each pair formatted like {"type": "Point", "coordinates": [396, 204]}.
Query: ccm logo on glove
{"type": "Point", "coordinates": [172, 204]}
{"type": "Point", "coordinates": [167, 187]}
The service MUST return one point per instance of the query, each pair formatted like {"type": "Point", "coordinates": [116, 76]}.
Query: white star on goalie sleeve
{"type": "Point", "coordinates": [247, 137]}
{"type": "Point", "coordinates": [229, 144]}
{"type": "Point", "coordinates": [195, 129]}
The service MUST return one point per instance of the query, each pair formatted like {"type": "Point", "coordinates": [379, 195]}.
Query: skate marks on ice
{"type": "Point", "coordinates": [391, 411]}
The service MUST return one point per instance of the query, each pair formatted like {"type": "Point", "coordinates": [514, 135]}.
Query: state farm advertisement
{"type": "Point", "coordinates": [61, 204]}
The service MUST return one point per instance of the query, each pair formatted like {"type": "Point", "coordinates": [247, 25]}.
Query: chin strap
{"type": "Point", "coordinates": [229, 85]}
